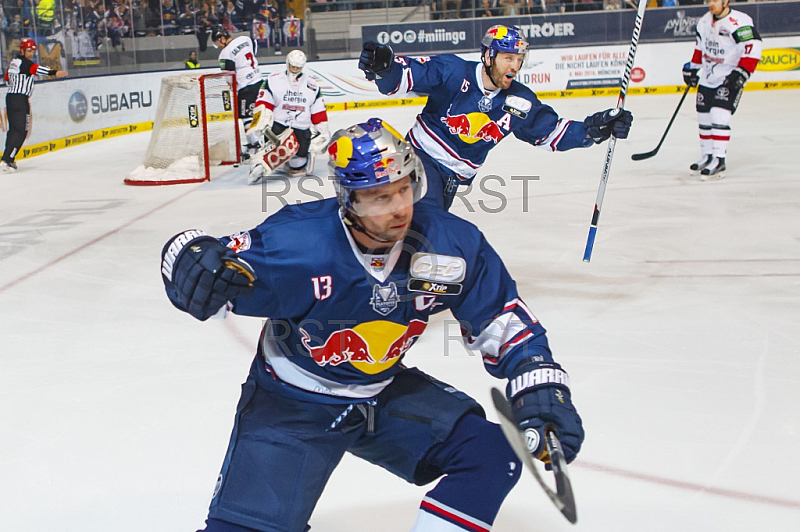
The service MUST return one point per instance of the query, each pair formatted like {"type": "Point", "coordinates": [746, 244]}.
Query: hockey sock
{"type": "Point", "coordinates": [721, 130]}
{"type": "Point", "coordinates": [480, 470]}
{"type": "Point", "coordinates": [706, 141]}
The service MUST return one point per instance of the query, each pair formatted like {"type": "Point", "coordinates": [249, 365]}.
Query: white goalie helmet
{"type": "Point", "coordinates": [295, 60]}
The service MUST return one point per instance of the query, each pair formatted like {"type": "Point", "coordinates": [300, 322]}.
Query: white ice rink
{"type": "Point", "coordinates": [682, 336]}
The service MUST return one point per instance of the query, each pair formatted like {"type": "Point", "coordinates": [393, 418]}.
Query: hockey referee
{"type": "Point", "coordinates": [20, 86]}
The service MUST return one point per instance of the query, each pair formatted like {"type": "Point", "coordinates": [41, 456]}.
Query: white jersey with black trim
{"type": "Point", "coordinates": [242, 52]}
{"type": "Point", "coordinates": [296, 101]}
{"type": "Point", "coordinates": [725, 44]}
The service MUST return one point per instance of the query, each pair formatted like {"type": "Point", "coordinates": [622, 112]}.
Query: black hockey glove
{"type": "Point", "coordinates": [736, 79]}
{"type": "Point", "coordinates": [201, 274]}
{"type": "Point", "coordinates": [602, 124]}
{"type": "Point", "coordinates": [540, 397]}
{"type": "Point", "coordinates": [691, 75]}
{"type": "Point", "coordinates": [376, 60]}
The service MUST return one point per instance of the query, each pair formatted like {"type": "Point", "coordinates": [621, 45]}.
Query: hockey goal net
{"type": "Point", "coordinates": [195, 127]}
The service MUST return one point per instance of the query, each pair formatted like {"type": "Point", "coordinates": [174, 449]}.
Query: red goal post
{"type": "Point", "coordinates": [195, 127]}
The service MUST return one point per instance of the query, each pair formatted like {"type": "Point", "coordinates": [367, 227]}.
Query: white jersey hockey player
{"type": "Point", "coordinates": [239, 55]}
{"type": "Point", "coordinates": [291, 99]}
{"type": "Point", "coordinates": [726, 54]}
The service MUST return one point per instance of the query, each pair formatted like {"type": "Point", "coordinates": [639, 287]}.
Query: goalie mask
{"type": "Point", "coordinates": [295, 62]}
{"type": "Point", "coordinates": [370, 155]}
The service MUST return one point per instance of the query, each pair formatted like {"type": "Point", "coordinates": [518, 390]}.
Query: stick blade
{"type": "Point", "coordinates": [642, 156]}
{"type": "Point", "coordinates": [563, 498]}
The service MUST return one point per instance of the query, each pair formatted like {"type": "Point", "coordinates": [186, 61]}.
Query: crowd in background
{"type": "Point", "coordinates": [109, 21]}
{"type": "Point", "coordinates": [271, 22]}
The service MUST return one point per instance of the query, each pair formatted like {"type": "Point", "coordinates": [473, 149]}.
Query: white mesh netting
{"type": "Point", "coordinates": [181, 131]}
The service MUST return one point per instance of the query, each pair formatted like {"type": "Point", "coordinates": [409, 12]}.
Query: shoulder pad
{"type": "Point", "coordinates": [311, 83]}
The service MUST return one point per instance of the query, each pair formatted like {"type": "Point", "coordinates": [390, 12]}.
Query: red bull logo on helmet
{"type": "Point", "coordinates": [341, 151]}
{"type": "Point", "coordinates": [386, 167]}
{"type": "Point", "coordinates": [473, 127]}
{"type": "Point", "coordinates": [370, 347]}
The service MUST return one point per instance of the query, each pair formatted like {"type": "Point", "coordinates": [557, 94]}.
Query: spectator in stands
{"type": "Point", "coordinates": [187, 22]}
{"type": "Point", "coordinates": [232, 18]}
{"type": "Point", "coordinates": [292, 30]}
{"type": "Point", "coordinates": [192, 61]}
{"type": "Point", "coordinates": [169, 18]}
{"type": "Point", "coordinates": [490, 8]}
{"type": "Point", "coordinates": [206, 19]}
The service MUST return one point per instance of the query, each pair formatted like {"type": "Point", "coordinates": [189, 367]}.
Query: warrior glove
{"type": "Point", "coordinates": [736, 79]}
{"type": "Point", "coordinates": [376, 60]}
{"type": "Point", "coordinates": [601, 125]}
{"type": "Point", "coordinates": [201, 274]}
{"type": "Point", "coordinates": [691, 75]}
{"type": "Point", "coordinates": [540, 398]}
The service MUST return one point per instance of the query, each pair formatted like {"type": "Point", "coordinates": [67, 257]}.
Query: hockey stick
{"type": "Point", "coordinates": [563, 497]}
{"type": "Point", "coordinates": [612, 142]}
{"type": "Point", "coordinates": [642, 156]}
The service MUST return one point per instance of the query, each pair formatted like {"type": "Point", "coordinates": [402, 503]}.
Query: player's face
{"type": "Point", "coordinates": [295, 70]}
{"type": "Point", "coordinates": [29, 53]}
{"type": "Point", "coordinates": [717, 7]}
{"type": "Point", "coordinates": [505, 68]}
{"type": "Point", "coordinates": [386, 211]}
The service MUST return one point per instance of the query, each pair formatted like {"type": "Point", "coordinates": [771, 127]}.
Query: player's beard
{"type": "Point", "coordinates": [386, 231]}
{"type": "Point", "coordinates": [500, 80]}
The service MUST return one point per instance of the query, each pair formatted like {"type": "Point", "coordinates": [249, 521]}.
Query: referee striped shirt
{"type": "Point", "coordinates": [19, 75]}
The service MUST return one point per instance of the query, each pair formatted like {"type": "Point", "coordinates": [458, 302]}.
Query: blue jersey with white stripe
{"type": "Point", "coordinates": [341, 320]}
{"type": "Point", "coordinates": [462, 120]}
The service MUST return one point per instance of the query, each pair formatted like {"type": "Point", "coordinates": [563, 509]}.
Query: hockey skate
{"type": "Point", "coordinates": [8, 167]}
{"type": "Point", "coordinates": [714, 171]}
{"type": "Point", "coordinates": [704, 161]}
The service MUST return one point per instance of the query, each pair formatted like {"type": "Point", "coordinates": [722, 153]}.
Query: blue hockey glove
{"type": "Point", "coordinates": [602, 124]}
{"type": "Point", "coordinates": [736, 79]}
{"type": "Point", "coordinates": [376, 60]}
{"type": "Point", "coordinates": [540, 397]}
{"type": "Point", "coordinates": [691, 75]}
{"type": "Point", "coordinates": [201, 274]}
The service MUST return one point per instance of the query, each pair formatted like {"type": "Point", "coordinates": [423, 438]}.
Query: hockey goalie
{"type": "Point", "coordinates": [290, 113]}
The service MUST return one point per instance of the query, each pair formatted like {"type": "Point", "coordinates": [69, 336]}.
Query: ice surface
{"type": "Point", "coordinates": [681, 336]}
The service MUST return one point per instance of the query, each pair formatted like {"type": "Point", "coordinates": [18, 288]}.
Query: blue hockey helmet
{"type": "Point", "coordinates": [501, 38]}
{"type": "Point", "coordinates": [370, 155]}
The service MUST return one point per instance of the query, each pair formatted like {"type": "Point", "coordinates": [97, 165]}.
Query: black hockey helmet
{"type": "Point", "coordinates": [218, 32]}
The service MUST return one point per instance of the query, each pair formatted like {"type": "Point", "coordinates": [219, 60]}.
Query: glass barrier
{"type": "Point", "coordinates": [95, 37]}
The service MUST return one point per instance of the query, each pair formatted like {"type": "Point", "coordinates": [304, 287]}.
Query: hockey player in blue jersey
{"type": "Point", "coordinates": [473, 106]}
{"type": "Point", "coordinates": [348, 284]}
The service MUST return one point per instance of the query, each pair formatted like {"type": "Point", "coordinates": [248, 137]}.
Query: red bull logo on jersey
{"type": "Point", "coordinates": [370, 347]}
{"type": "Point", "coordinates": [473, 127]}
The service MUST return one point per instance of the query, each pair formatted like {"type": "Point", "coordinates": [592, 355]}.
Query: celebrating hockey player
{"type": "Point", "coordinates": [726, 54]}
{"type": "Point", "coordinates": [19, 77]}
{"type": "Point", "coordinates": [291, 99]}
{"type": "Point", "coordinates": [473, 106]}
{"type": "Point", "coordinates": [239, 55]}
{"type": "Point", "coordinates": [347, 285]}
